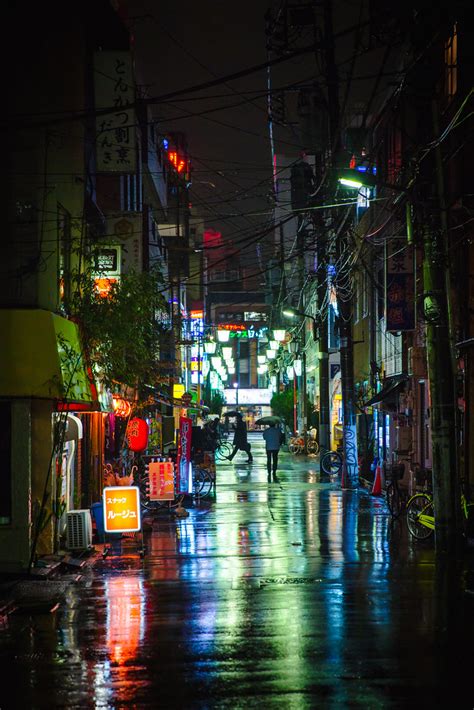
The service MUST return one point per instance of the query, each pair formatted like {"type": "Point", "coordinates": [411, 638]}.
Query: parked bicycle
{"type": "Point", "coordinates": [296, 445]}
{"type": "Point", "coordinates": [331, 463]}
{"type": "Point", "coordinates": [223, 449]}
{"type": "Point", "coordinates": [420, 514]}
{"type": "Point", "coordinates": [203, 481]}
{"type": "Point", "coordinates": [396, 495]}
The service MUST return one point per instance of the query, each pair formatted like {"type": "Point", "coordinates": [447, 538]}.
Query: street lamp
{"type": "Point", "coordinates": [223, 336]}
{"type": "Point", "coordinates": [210, 347]}
{"type": "Point", "coordinates": [292, 313]}
{"type": "Point", "coordinates": [279, 334]}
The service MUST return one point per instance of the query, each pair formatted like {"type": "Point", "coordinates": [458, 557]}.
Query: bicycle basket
{"type": "Point", "coordinates": [395, 471]}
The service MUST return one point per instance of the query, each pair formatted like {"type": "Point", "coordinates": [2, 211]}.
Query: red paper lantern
{"type": "Point", "coordinates": [137, 434]}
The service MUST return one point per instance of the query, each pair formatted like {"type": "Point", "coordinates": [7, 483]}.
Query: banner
{"type": "Point", "coordinates": [183, 463]}
{"type": "Point", "coordinates": [161, 480]}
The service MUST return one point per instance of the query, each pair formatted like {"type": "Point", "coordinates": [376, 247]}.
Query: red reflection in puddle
{"type": "Point", "coordinates": [125, 619]}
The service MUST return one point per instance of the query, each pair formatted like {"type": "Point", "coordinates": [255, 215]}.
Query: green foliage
{"type": "Point", "coordinates": [216, 403]}
{"type": "Point", "coordinates": [121, 331]}
{"type": "Point", "coordinates": [282, 405]}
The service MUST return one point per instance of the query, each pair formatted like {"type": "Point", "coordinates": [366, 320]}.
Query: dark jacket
{"type": "Point", "coordinates": [240, 436]}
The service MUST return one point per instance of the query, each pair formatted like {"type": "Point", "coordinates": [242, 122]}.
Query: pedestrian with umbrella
{"type": "Point", "coordinates": [273, 441]}
{"type": "Point", "coordinates": [240, 439]}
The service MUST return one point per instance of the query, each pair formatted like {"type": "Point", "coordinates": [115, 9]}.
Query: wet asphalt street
{"type": "Point", "coordinates": [276, 595]}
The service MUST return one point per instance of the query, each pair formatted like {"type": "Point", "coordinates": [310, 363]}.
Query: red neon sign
{"type": "Point", "coordinates": [231, 326]}
{"type": "Point", "coordinates": [176, 160]}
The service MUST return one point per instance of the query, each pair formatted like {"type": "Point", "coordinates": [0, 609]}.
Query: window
{"type": "Point", "coordinates": [451, 64]}
{"type": "Point", "coordinates": [130, 197]}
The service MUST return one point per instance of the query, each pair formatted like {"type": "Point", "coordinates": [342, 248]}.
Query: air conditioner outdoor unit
{"type": "Point", "coordinates": [79, 530]}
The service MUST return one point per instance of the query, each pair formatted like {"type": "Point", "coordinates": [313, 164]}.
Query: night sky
{"type": "Point", "coordinates": [178, 45]}
{"type": "Point", "coordinates": [182, 44]}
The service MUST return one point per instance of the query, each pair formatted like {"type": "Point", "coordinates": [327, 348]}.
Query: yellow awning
{"type": "Point", "coordinates": [41, 356]}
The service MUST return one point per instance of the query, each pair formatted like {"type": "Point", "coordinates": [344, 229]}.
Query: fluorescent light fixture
{"type": "Point", "coordinates": [351, 183]}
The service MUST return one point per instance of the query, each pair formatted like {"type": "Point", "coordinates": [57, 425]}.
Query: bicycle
{"type": "Point", "coordinates": [223, 449]}
{"type": "Point", "coordinates": [421, 517]}
{"type": "Point", "coordinates": [296, 445]}
{"type": "Point", "coordinates": [395, 495]}
{"type": "Point", "coordinates": [312, 446]}
{"type": "Point", "coordinates": [331, 463]}
{"type": "Point", "coordinates": [203, 482]}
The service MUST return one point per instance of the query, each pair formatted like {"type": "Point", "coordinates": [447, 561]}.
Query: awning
{"type": "Point", "coordinates": [41, 356]}
{"type": "Point", "coordinates": [391, 385]}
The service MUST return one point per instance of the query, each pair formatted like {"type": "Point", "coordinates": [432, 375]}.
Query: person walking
{"type": "Point", "coordinates": [272, 437]}
{"type": "Point", "coordinates": [240, 439]}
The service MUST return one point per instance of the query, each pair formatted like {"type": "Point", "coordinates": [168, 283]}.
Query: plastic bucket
{"type": "Point", "coordinates": [97, 512]}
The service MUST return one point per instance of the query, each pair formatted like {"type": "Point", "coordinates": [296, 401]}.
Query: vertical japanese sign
{"type": "Point", "coordinates": [399, 286]}
{"type": "Point", "coordinates": [115, 131]}
{"type": "Point", "coordinates": [184, 455]}
{"type": "Point", "coordinates": [161, 480]}
{"type": "Point", "coordinates": [121, 509]}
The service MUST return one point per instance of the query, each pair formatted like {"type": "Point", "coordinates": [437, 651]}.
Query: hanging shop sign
{"type": "Point", "coordinates": [137, 434]}
{"type": "Point", "coordinates": [121, 509]}
{"type": "Point", "coordinates": [122, 407]}
{"type": "Point", "coordinates": [183, 461]}
{"type": "Point", "coordinates": [399, 286]}
{"type": "Point", "coordinates": [238, 330]}
{"type": "Point", "coordinates": [115, 130]}
{"type": "Point", "coordinates": [161, 480]}
{"type": "Point", "coordinates": [255, 316]}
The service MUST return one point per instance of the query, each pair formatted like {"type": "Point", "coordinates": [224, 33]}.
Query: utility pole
{"type": "Point", "coordinates": [324, 423]}
{"type": "Point", "coordinates": [436, 280]}
{"type": "Point", "coordinates": [350, 471]}
{"type": "Point", "coordinates": [303, 398]}
{"type": "Point", "coordinates": [333, 104]}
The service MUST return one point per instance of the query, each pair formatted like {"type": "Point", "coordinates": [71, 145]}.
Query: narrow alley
{"type": "Point", "coordinates": [294, 594]}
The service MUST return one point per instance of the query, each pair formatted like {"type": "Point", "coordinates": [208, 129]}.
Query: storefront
{"type": "Point", "coordinates": [41, 364]}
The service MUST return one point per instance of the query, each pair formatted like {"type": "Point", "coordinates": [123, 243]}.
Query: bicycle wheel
{"type": "Point", "coordinates": [394, 502]}
{"type": "Point", "coordinates": [223, 450]}
{"type": "Point", "coordinates": [331, 462]}
{"type": "Point", "coordinates": [313, 447]}
{"type": "Point", "coordinates": [293, 447]}
{"type": "Point", "coordinates": [202, 482]}
{"type": "Point", "coordinates": [420, 516]}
